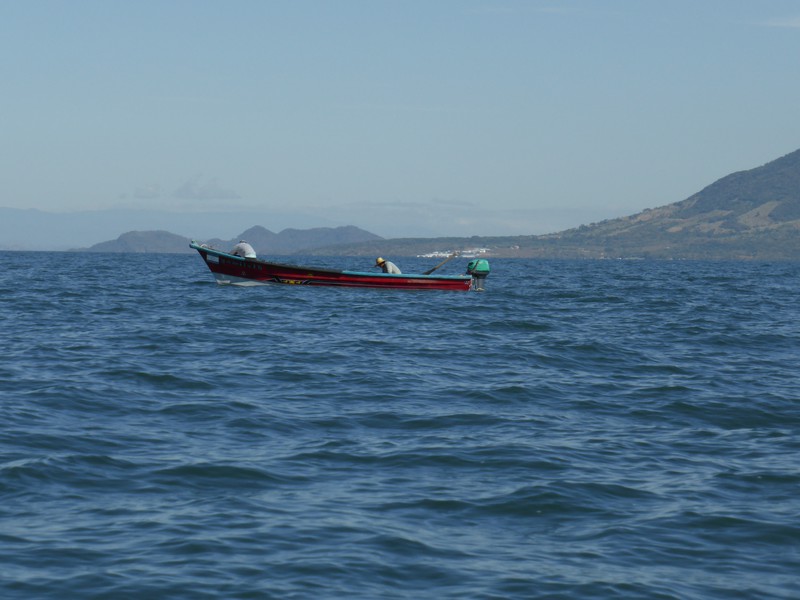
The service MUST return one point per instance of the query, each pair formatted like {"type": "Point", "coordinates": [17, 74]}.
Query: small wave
{"type": "Point", "coordinates": [228, 477]}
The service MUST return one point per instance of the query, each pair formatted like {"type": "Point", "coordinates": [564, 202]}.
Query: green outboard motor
{"type": "Point", "coordinates": [479, 269]}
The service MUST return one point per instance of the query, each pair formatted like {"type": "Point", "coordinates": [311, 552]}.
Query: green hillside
{"type": "Point", "coordinates": [750, 215]}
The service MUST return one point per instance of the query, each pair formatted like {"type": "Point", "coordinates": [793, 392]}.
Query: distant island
{"type": "Point", "coordinates": [288, 241]}
{"type": "Point", "coordinates": [748, 215]}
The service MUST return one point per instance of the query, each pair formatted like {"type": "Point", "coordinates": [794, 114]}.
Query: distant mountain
{"type": "Point", "coordinates": [290, 241]}
{"type": "Point", "coordinates": [752, 214]}
{"type": "Point", "coordinates": [264, 241]}
{"type": "Point", "coordinates": [143, 242]}
{"type": "Point", "coordinates": [31, 229]}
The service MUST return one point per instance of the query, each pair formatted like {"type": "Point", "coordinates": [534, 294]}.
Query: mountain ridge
{"type": "Point", "coordinates": [288, 241]}
{"type": "Point", "coordinates": [747, 215]}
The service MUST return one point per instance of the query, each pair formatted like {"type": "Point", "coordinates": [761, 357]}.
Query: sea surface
{"type": "Point", "coordinates": [587, 429]}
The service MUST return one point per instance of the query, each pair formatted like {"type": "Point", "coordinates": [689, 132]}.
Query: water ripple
{"type": "Point", "coordinates": [582, 429]}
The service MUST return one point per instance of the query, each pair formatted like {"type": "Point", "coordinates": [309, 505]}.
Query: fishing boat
{"type": "Point", "coordinates": [233, 269]}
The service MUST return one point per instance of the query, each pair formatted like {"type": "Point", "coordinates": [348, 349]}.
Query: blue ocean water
{"type": "Point", "coordinates": [588, 429]}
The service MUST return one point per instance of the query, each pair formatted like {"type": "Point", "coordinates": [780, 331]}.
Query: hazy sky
{"type": "Point", "coordinates": [467, 117]}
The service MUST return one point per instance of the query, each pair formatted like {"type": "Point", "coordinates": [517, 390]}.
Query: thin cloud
{"type": "Point", "coordinates": [454, 203]}
{"type": "Point", "coordinates": [148, 192]}
{"type": "Point", "coordinates": [204, 190]}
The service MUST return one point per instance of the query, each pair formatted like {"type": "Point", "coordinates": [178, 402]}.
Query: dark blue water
{"type": "Point", "coordinates": [579, 430]}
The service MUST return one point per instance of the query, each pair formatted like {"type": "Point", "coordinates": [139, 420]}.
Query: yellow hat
{"type": "Point", "coordinates": [379, 261]}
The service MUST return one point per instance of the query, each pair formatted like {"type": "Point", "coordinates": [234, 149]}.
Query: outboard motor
{"type": "Point", "coordinates": [479, 269]}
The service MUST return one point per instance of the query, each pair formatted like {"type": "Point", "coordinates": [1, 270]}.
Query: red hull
{"type": "Point", "coordinates": [230, 269]}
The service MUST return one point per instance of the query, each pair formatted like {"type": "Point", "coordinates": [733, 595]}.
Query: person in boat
{"type": "Point", "coordinates": [243, 249]}
{"type": "Point", "coordinates": [387, 266]}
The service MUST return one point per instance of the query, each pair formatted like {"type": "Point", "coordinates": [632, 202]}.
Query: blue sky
{"type": "Point", "coordinates": [432, 117]}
